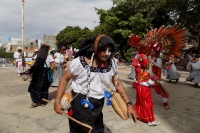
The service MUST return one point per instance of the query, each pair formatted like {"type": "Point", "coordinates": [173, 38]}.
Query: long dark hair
{"type": "Point", "coordinates": [40, 60]}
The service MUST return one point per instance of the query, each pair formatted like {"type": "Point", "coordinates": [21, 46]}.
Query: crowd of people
{"type": "Point", "coordinates": [42, 60]}
{"type": "Point", "coordinates": [92, 70]}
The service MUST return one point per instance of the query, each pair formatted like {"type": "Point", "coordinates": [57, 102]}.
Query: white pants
{"type": "Point", "coordinates": [19, 68]}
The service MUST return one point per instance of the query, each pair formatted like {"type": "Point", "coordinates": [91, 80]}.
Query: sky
{"type": "Point", "coordinates": [47, 17]}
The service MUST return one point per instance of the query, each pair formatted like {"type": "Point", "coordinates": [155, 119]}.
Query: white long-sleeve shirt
{"type": "Point", "coordinates": [17, 56]}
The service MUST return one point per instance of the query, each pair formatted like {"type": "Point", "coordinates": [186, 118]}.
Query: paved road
{"type": "Point", "coordinates": [17, 116]}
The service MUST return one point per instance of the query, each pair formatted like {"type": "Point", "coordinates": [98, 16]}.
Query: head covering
{"type": "Point", "coordinates": [40, 60]}
{"type": "Point", "coordinates": [18, 48]}
{"type": "Point", "coordinates": [86, 47]}
{"type": "Point", "coordinates": [156, 47]}
{"type": "Point", "coordinates": [143, 60]}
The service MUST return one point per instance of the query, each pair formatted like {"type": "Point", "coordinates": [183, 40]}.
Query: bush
{"type": "Point", "coordinates": [129, 54]}
{"type": "Point", "coordinates": [6, 55]}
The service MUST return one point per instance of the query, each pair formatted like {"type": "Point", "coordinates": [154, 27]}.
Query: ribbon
{"type": "Point", "coordinates": [85, 102]}
{"type": "Point", "coordinates": [108, 95]}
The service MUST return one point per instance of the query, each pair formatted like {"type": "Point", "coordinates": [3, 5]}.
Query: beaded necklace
{"type": "Point", "coordinates": [85, 102]}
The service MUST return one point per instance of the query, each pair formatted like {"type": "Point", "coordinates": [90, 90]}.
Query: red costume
{"type": "Point", "coordinates": [169, 40]}
{"type": "Point", "coordinates": [144, 106]}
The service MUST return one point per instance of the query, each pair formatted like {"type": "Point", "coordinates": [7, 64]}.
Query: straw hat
{"type": "Point", "coordinates": [52, 49]}
{"type": "Point", "coordinates": [18, 48]}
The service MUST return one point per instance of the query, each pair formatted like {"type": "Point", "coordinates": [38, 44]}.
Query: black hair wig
{"type": "Point", "coordinates": [86, 47]}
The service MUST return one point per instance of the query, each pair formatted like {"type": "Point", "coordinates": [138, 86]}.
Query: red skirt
{"type": "Point", "coordinates": [144, 104]}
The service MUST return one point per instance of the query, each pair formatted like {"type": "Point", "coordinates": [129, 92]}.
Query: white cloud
{"type": "Point", "coordinates": [47, 16]}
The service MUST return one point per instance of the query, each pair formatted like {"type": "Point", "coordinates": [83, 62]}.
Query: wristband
{"type": "Point", "coordinates": [129, 103]}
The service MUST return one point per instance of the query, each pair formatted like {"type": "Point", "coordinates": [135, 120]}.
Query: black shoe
{"type": "Point", "coordinates": [196, 85]}
{"type": "Point", "coordinates": [176, 81]}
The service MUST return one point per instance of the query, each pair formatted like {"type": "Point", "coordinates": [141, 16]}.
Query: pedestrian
{"type": "Point", "coordinates": [39, 85]}
{"type": "Point", "coordinates": [91, 72]}
{"type": "Point", "coordinates": [189, 57]}
{"type": "Point", "coordinates": [194, 66]}
{"type": "Point", "coordinates": [155, 70]}
{"type": "Point", "coordinates": [59, 68]}
{"type": "Point", "coordinates": [19, 60]}
{"type": "Point", "coordinates": [132, 74]}
{"type": "Point", "coordinates": [144, 106]}
{"type": "Point", "coordinates": [116, 57]}
{"type": "Point", "coordinates": [172, 73]}
{"type": "Point", "coordinates": [35, 54]}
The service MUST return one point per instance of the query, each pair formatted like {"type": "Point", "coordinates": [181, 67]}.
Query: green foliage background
{"type": "Point", "coordinates": [127, 17]}
{"type": "Point", "coordinates": [6, 55]}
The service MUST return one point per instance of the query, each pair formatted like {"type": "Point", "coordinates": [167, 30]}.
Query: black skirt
{"type": "Point", "coordinates": [39, 87]}
{"type": "Point", "coordinates": [93, 117]}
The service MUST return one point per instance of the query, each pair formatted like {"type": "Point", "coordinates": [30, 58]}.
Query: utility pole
{"type": "Point", "coordinates": [23, 25]}
{"type": "Point", "coordinates": [23, 58]}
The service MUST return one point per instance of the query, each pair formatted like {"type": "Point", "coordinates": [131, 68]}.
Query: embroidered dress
{"type": "Point", "coordinates": [195, 74]}
{"type": "Point", "coordinates": [59, 70]}
{"type": "Point", "coordinates": [172, 73]}
{"type": "Point", "coordinates": [78, 68]}
{"type": "Point", "coordinates": [144, 106]}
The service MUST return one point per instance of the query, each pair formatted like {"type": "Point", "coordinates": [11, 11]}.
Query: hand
{"type": "Point", "coordinates": [58, 108]}
{"type": "Point", "coordinates": [131, 112]}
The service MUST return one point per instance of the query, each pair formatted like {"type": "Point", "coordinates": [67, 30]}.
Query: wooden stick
{"type": "Point", "coordinates": [81, 123]}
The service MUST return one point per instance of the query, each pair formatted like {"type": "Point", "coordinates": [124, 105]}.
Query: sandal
{"type": "Point", "coordinates": [34, 104]}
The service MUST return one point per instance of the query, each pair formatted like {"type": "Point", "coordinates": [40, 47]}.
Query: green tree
{"type": "Point", "coordinates": [72, 36]}
{"type": "Point", "coordinates": [122, 20]}
{"type": "Point", "coordinates": [184, 12]}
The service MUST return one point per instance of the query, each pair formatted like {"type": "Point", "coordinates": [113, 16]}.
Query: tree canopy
{"type": "Point", "coordinates": [127, 17]}
{"type": "Point", "coordinates": [72, 36]}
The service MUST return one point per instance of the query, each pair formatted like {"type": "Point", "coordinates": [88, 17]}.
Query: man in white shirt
{"type": "Point", "coordinates": [18, 59]}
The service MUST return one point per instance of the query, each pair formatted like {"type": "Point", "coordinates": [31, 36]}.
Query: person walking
{"type": "Point", "coordinates": [189, 57]}
{"type": "Point", "coordinates": [194, 66]}
{"type": "Point", "coordinates": [144, 106]}
{"type": "Point", "coordinates": [172, 73]}
{"type": "Point", "coordinates": [39, 84]}
{"type": "Point", "coordinates": [91, 72]}
{"type": "Point", "coordinates": [59, 68]}
{"type": "Point", "coordinates": [19, 60]}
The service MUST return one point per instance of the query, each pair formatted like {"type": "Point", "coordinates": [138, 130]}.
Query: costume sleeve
{"type": "Point", "coordinates": [150, 82]}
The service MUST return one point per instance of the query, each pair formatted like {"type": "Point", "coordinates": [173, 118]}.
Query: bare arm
{"type": "Point", "coordinates": [61, 90]}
